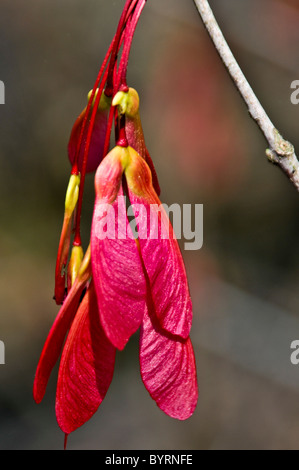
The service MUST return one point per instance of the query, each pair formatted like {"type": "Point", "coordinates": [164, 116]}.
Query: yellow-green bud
{"type": "Point", "coordinates": [72, 194]}
{"type": "Point", "coordinates": [75, 263]}
{"type": "Point", "coordinates": [127, 102]}
{"type": "Point", "coordinates": [105, 101]}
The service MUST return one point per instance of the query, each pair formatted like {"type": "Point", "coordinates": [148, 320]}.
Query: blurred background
{"type": "Point", "coordinates": [244, 280]}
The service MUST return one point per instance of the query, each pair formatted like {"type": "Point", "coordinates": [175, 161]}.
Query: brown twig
{"type": "Point", "coordinates": [280, 151]}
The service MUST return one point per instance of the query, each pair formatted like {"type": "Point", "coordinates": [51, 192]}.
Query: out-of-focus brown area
{"type": "Point", "coordinates": [243, 281]}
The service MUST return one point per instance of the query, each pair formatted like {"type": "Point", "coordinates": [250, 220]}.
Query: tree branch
{"type": "Point", "coordinates": [280, 151]}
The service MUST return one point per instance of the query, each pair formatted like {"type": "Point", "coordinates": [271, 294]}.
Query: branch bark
{"type": "Point", "coordinates": [280, 151]}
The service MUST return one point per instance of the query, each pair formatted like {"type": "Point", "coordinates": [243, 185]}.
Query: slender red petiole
{"type": "Point", "coordinates": [126, 27]}
{"type": "Point", "coordinates": [117, 39]}
{"type": "Point", "coordinates": [111, 118]}
{"type": "Point", "coordinates": [129, 34]}
{"type": "Point", "coordinates": [65, 440]}
{"type": "Point", "coordinates": [112, 51]}
{"type": "Point", "coordinates": [77, 237]}
{"type": "Point", "coordinates": [122, 138]}
{"type": "Point", "coordinates": [89, 104]}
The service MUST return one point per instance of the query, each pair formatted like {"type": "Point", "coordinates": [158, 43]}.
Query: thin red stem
{"type": "Point", "coordinates": [122, 138]}
{"type": "Point", "coordinates": [125, 32]}
{"type": "Point", "coordinates": [117, 39]}
{"type": "Point", "coordinates": [109, 128]}
{"type": "Point", "coordinates": [130, 11]}
{"type": "Point", "coordinates": [65, 441]}
{"type": "Point", "coordinates": [111, 119]}
{"type": "Point", "coordinates": [77, 237]}
{"type": "Point", "coordinates": [129, 34]}
{"type": "Point", "coordinates": [89, 104]}
{"type": "Point", "coordinates": [112, 51]}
